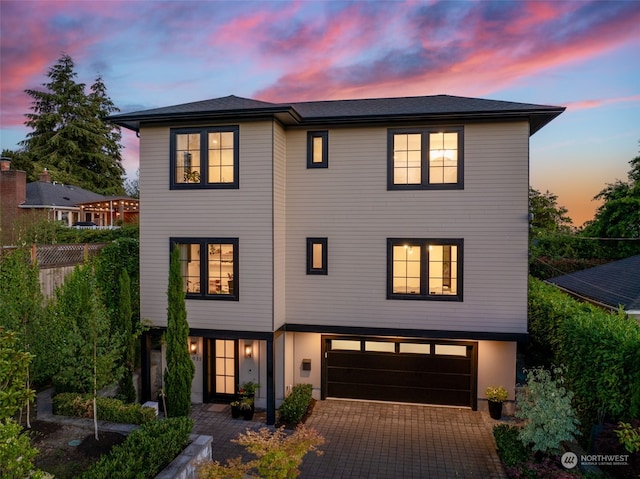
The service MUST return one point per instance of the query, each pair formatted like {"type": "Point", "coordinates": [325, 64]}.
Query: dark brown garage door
{"type": "Point", "coordinates": [433, 372]}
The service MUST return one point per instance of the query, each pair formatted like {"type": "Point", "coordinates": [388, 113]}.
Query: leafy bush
{"type": "Point", "coordinates": [545, 405]}
{"type": "Point", "coordinates": [278, 455]}
{"type": "Point", "coordinates": [109, 409]}
{"type": "Point", "coordinates": [16, 453]}
{"type": "Point", "coordinates": [296, 403]}
{"type": "Point", "coordinates": [145, 452]}
{"type": "Point", "coordinates": [601, 351]}
{"type": "Point", "coordinates": [510, 448]}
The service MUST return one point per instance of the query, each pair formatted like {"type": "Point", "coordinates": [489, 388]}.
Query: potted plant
{"type": "Point", "coordinates": [248, 389]}
{"type": "Point", "coordinates": [235, 409]}
{"type": "Point", "coordinates": [247, 408]}
{"type": "Point", "coordinates": [496, 395]}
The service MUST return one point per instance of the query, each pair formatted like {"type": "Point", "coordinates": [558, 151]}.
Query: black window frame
{"type": "Point", "coordinates": [423, 244]}
{"type": "Point", "coordinates": [204, 276]}
{"type": "Point", "coordinates": [204, 159]}
{"type": "Point", "coordinates": [424, 159]}
{"type": "Point", "coordinates": [324, 270]}
{"type": "Point", "coordinates": [311, 135]}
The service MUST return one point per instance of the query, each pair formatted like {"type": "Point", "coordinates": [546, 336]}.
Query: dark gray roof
{"type": "Point", "coordinates": [43, 193]}
{"type": "Point", "coordinates": [373, 110]}
{"type": "Point", "coordinates": [612, 284]}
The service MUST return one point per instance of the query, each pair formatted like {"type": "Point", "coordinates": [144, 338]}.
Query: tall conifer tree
{"type": "Point", "coordinates": [180, 370]}
{"type": "Point", "coordinates": [70, 135]}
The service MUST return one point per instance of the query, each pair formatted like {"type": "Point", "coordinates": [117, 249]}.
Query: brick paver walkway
{"type": "Point", "coordinates": [377, 440]}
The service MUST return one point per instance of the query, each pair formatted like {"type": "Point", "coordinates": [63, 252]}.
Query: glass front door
{"type": "Point", "coordinates": [222, 366]}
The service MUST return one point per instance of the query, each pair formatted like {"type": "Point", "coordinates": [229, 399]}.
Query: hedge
{"type": "Point", "coordinates": [109, 409]}
{"type": "Point", "coordinates": [601, 351]}
{"type": "Point", "coordinates": [296, 404]}
{"type": "Point", "coordinates": [145, 452]}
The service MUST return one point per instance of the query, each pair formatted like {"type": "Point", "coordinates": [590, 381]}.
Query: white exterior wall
{"type": "Point", "coordinates": [245, 213]}
{"type": "Point", "coordinates": [350, 205]}
{"type": "Point", "coordinates": [496, 364]}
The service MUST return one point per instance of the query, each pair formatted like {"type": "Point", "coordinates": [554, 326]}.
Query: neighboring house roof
{"type": "Point", "coordinates": [613, 284]}
{"type": "Point", "coordinates": [43, 193]}
{"type": "Point", "coordinates": [436, 107]}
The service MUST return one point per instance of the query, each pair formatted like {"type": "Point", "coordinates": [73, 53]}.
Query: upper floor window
{"type": "Point", "coordinates": [424, 269]}
{"type": "Point", "coordinates": [209, 267]}
{"type": "Point", "coordinates": [425, 159]}
{"type": "Point", "coordinates": [317, 149]}
{"type": "Point", "coordinates": [204, 157]}
{"type": "Point", "coordinates": [317, 256]}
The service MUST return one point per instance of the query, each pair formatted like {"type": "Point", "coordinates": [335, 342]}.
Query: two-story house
{"type": "Point", "coordinates": [374, 248]}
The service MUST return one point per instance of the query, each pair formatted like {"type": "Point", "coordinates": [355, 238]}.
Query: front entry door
{"type": "Point", "coordinates": [221, 369]}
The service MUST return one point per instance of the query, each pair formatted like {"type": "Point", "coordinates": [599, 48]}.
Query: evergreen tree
{"type": "Point", "coordinates": [180, 369]}
{"type": "Point", "coordinates": [70, 135]}
{"type": "Point", "coordinates": [127, 389]}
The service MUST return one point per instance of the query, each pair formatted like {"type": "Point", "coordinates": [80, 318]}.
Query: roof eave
{"type": "Point", "coordinates": [286, 115]}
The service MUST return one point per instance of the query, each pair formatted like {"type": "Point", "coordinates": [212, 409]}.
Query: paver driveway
{"type": "Point", "coordinates": [380, 440]}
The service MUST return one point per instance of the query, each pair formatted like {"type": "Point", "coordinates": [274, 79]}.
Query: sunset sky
{"type": "Point", "coordinates": [580, 54]}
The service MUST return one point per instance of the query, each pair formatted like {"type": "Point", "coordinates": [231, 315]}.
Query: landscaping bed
{"type": "Point", "coordinates": [56, 456]}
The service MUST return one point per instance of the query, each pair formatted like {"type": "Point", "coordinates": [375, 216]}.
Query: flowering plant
{"type": "Point", "coordinates": [496, 394]}
{"type": "Point", "coordinates": [248, 388]}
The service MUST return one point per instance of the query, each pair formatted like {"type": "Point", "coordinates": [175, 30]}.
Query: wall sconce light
{"type": "Point", "coordinates": [248, 350]}
{"type": "Point", "coordinates": [193, 347]}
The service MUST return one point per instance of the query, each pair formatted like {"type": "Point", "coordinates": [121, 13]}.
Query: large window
{"type": "Point", "coordinates": [424, 269]}
{"type": "Point", "coordinates": [204, 158]}
{"type": "Point", "coordinates": [425, 159]}
{"type": "Point", "coordinates": [318, 149]}
{"type": "Point", "coordinates": [209, 267]}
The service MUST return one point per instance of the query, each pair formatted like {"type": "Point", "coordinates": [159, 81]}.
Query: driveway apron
{"type": "Point", "coordinates": [377, 440]}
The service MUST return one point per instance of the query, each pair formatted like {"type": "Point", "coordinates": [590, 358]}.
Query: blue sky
{"type": "Point", "coordinates": [580, 54]}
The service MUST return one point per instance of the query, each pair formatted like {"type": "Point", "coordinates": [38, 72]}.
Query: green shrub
{"type": "Point", "coordinates": [145, 452]}
{"type": "Point", "coordinates": [545, 406]}
{"type": "Point", "coordinates": [109, 409]}
{"type": "Point", "coordinates": [16, 453]}
{"type": "Point", "coordinates": [510, 448]}
{"type": "Point", "coordinates": [600, 350]}
{"type": "Point", "coordinates": [296, 403]}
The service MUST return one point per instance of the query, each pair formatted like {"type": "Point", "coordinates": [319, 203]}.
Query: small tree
{"type": "Point", "coordinates": [180, 370]}
{"type": "Point", "coordinates": [16, 453]}
{"type": "Point", "coordinates": [545, 406]}
{"type": "Point", "coordinates": [92, 350]}
{"type": "Point", "coordinates": [127, 389]}
{"type": "Point", "coordinates": [21, 300]}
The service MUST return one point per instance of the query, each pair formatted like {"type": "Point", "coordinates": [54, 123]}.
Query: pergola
{"type": "Point", "coordinates": [112, 209]}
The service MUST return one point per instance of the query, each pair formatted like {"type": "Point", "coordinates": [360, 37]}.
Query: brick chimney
{"type": "Point", "coordinates": [45, 176]}
{"type": "Point", "coordinates": [13, 192]}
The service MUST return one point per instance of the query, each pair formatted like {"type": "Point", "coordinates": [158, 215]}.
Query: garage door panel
{"type": "Point", "coordinates": [400, 376]}
{"type": "Point", "coordinates": [400, 394]}
{"type": "Point", "coordinates": [405, 362]}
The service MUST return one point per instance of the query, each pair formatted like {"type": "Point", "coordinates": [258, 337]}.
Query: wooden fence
{"type": "Point", "coordinates": [56, 261]}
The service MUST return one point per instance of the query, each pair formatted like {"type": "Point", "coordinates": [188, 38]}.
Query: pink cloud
{"type": "Point", "coordinates": [480, 59]}
{"type": "Point", "coordinates": [600, 102]}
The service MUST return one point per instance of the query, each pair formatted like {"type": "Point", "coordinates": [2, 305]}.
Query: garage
{"type": "Point", "coordinates": [400, 370]}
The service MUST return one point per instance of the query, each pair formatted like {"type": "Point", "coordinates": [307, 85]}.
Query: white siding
{"type": "Point", "coordinates": [349, 203]}
{"type": "Point", "coordinates": [279, 223]}
{"type": "Point", "coordinates": [245, 213]}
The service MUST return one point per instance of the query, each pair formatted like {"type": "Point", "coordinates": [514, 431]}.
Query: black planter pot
{"type": "Point", "coordinates": [235, 412]}
{"type": "Point", "coordinates": [495, 409]}
{"type": "Point", "coordinates": [247, 414]}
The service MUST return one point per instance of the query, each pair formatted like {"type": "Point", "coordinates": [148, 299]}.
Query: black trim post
{"type": "Point", "coordinates": [271, 391]}
{"type": "Point", "coordinates": [145, 367]}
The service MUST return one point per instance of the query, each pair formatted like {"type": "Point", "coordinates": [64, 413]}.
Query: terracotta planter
{"type": "Point", "coordinates": [495, 409]}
